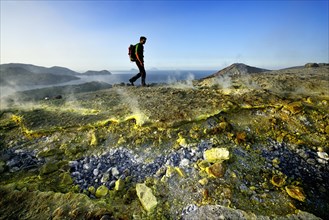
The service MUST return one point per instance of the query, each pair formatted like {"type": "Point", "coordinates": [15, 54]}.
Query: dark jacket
{"type": "Point", "coordinates": [139, 50]}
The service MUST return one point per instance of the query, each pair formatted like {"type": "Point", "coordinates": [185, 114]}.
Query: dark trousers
{"type": "Point", "coordinates": [141, 73]}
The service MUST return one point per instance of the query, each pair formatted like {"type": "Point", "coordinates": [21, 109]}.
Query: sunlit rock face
{"type": "Point", "coordinates": [251, 143]}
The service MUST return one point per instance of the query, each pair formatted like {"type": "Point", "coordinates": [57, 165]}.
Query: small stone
{"type": "Point", "coordinates": [91, 189]}
{"type": "Point", "coordinates": [101, 191]}
{"type": "Point", "coordinates": [276, 161]}
{"type": "Point", "coordinates": [115, 172]}
{"type": "Point", "coordinates": [189, 208]}
{"type": "Point", "coordinates": [146, 197]}
{"type": "Point", "coordinates": [278, 181]}
{"type": "Point", "coordinates": [95, 172]}
{"type": "Point", "coordinates": [310, 161]}
{"type": "Point", "coordinates": [323, 155]}
{"type": "Point", "coordinates": [105, 178]}
{"type": "Point", "coordinates": [112, 184]}
{"type": "Point", "coordinates": [203, 181]}
{"type": "Point", "coordinates": [322, 161]}
{"type": "Point", "coordinates": [119, 184]}
{"type": "Point", "coordinates": [86, 166]}
{"type": "Point", "coordinates": [184, 163]}
{"type": "Point", "coordinates": [223, 125]}
{"type": "Point", "coordinates": [216, 170]}
{"type": "Point", "coordinates": [295, 192]}
{"type": "Point", "coordinates": [216, 155]}
{"type": "Point", "coordinates": [181, 140]}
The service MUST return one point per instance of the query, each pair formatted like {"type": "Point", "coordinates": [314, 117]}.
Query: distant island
{"type": "Point", "coordinates": [19, 74]}
{"type": "Point", "coordinates": [92, 72]}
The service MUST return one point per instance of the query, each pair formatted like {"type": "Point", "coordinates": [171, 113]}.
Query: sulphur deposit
{"type": "Point", "coordinates": [242, 146]}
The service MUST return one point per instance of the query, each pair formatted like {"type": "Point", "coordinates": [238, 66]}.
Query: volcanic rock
{"type": "Point", "coordinates": [146, 197]}
{"type": "Point", "coordinates": [215, 155]}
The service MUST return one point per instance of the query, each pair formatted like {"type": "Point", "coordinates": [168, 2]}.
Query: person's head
{"type": "Point", "coordinates": [142, 39]}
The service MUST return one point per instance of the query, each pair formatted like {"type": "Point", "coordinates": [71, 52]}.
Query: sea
{"type": "Point", "coordinates": [155, 76]}
{"type": "Point", "coordinates": [118, 77]}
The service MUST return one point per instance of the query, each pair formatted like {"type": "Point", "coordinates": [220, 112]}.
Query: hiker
{"type": "Point", "coordinates": [139, 52]}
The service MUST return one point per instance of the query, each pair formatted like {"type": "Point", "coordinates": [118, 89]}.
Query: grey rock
{"type": "Point", "coordinates": [95, 172]}
{"type": "Point", "coordinates": [115, 172]}
{"type": "Point", "coordinates": [87, 166]}
{"type": "Point", "coordinates": [105, 177]}
{"type": "Point", "coordinates": [215, 212]}
{"type": "Point", "coordinates": [220, 212]}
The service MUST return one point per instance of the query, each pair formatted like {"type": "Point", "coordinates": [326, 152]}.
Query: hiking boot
{"type": "Point", "coordinates": [131, 82]}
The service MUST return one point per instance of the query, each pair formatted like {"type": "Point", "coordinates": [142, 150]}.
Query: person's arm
{"type": "Point", "coordinates": [137, 56]}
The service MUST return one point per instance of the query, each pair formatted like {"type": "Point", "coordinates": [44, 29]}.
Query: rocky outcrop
{"type": "Point", "coordinates": [146, 197]}
{"type": "Point", "coordinates": [307, 65]}
{"type": "Point", "coordinates": [237, 69]}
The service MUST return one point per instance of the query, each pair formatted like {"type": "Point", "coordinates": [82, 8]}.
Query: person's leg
{"type": "Point", "coordinates": [134, 78]}
{"type": "Point", "coordinates": [143, 73]}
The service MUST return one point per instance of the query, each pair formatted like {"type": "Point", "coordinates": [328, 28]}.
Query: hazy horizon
{"type": "Point", "coordinates": [113, 71]}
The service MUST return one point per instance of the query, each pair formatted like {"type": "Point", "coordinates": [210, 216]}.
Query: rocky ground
{"type": "Point", "coordinates": [250, 146]}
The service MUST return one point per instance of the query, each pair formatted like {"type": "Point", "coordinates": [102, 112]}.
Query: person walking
{"type": "Point", "coordinates": [139, 51]}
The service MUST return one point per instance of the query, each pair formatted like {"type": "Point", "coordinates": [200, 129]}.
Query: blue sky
{"type": "Point", "coordinates": [95, 35]}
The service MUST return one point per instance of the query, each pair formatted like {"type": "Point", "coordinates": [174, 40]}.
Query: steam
{"type": "Point", "coordinates": [10, 98]}
{"type": "Point", "coordinates": [187, 83]}
{"type": "Point", "coordinates": [5, 91]}
{"type": "Point", "coordinates": [132, 103]}
{"type": "Point", "coordinates": [249, 82]}
{"type": "Point", "coordinates": [224, 81]}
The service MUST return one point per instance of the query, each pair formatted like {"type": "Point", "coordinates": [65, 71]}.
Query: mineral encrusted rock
{"type": "Point", "coordinates": [146, 197]}
{"type": "Point", "coordinates": [216, 155]}
{"type": "Point", "coordinates": [101, 191]}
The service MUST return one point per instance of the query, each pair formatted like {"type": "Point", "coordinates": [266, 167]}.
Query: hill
{"type": "Point", "coordinates": [55, 70]}
{"type": "Point", "coordinates": [20, 76]}
{"type": "Point", "coordinates": [237, 69]}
